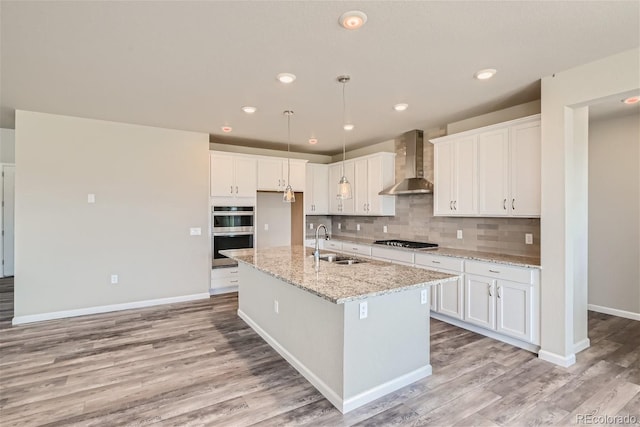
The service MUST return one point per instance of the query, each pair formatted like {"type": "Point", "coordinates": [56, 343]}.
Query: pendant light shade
{"type": "Point", "coordinates": [344, 186]}
{"type": "Point", "coordinates": [289, 196]}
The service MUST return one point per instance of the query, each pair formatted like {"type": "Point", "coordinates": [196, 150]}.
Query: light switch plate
{"type": "Point", "coordinates": [384, 228]}
{"type": "Point", "coordinates": [423, 296]}
{"type": "Point", "coordinates": [91, 198]}
{"type": "Point", "coordinates": [266, 227]}
{"type": "Point", "coordinates": [339, 226]}
{"type": "Point", "coordinates": [310, 226]}
{"type": "Point", "coordinates": [459, 234]}
{"type": "Point", "coordinates": [364, 311]}
{"type": "Point", "coordinates": [528, 238]}
{"type": "Point", "coordinates": [357, 227]}
{"type": "Point", "coordinates": [195, 231]}
{"type": "Point", "coordinates": [114, 279]}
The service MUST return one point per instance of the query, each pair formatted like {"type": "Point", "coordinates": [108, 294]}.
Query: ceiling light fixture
{"type": "Point", "coordinates": [286, 78]}
{"type": "Point", "coordinates": [400, 107]}
{"type": "Point", "coordinates": [249, 110]}
{"type": "Point", "coordinates": [348, 127]}
{"type": "Point", "coordinates": [344, 187]}
{"type": "Point", "coordinates": [313, 141]}
{"type": "Point", "coordinates": [631, 100]}
{"type": "Point", "coordinates": [226, 129]}
{"type": "Point", "coordinates": [289, 196]}
{"type": "Point", "coordinates": [353, 19]}
{"type": "Point", "coordinates": [485, 74]}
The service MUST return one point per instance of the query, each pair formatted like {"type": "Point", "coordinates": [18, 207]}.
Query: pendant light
{"type": "Point", "coordinates": [344, 187]}
{"type": "Point", "coordinates": [289, 196]}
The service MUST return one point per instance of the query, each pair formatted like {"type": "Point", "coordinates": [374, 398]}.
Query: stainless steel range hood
{"type": "Point", "coordinates": [414, 182]}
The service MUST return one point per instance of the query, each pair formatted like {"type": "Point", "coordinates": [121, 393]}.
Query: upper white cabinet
{"type": "Point", "coordinates": [316, 195]}
{"type": "Point", "coordinates": [232, 175]}
{"type": "Point", "coordinates": [373, 174]}
{"type": "Point", "coordinates": [490, 171]}
{"type": "Point", "coordinates": [455, 184]}
{"type": "Point", "coordinates": [273, 174]}
{"type": "Point", "coordinates": [339, 206]}
{"type": "Point", "coordinates": [509, 171]}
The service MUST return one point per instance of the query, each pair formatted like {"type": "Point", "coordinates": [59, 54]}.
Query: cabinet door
{"type": "Point", "coordinates": [465, 181]}
{"type": "Point", "coordinates": [514, 307]}
{"type": "Point", "coordinates": [360, 187]}
{"type": "Point", "coordinates": [443, 178]}
{"type": "Point", "coordinates": [493, 173]}
{"type": "Point", "coordinates": [480, 304]}
{"type": "Point", "coordinates": [309, 192]}
{"type": "Point", "coordinates": [525, 170]}
{"type": "Point", "coordinates": [270, 175]}
{"type": "Point", "coordinates": [298, 174]}
{"type": "Point", "coordinates": [433, 304]}
{"type": "Point", "coordinates": [450, 300]}
{"type": "Point", "coordinates": [320, 192]}
{"type": "Point", "coordinates": [221, 174]}
{"type": "Point", "coordinates": [245, 177]}
{"type": "Point", "coordinates": [335, 204]}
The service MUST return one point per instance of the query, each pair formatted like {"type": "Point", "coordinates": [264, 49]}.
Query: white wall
{"type": "Point", "coordinates": [7, 145]}
{"type": "Point", "coordinates": [614, 209]}
{"type": "Point", "coordinates": [564, 194]}
{"type": "Point", "coordinates": [271, 210]}
{"type": "Point", "coordinates": [150, 185]}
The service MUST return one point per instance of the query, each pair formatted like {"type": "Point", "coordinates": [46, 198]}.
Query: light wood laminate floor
{"type": "Point", "coordinates": [197, 363]}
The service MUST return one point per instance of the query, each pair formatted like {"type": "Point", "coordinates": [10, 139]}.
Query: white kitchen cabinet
{"type": "Point", "coordinates": [448, 298]}
{"type": "Point", "coordinates": [316, 194]}
{"type": "Point", "coordinates": [272, 174]}
{"type": "Point", "coordinates": [373, 174]}
{"type": "Point", "coordinates": [509, 170]}
{"type": "Point", "coordinates": [224, 280]}
{"type": "Point", "coordinates": [356, 249]}
{"type": "Point", "coordinates": [335, 245]}
{"type": "Point", "coordinates": [514, 309]}
{"type": "Point", "coordinates": [480, 304]}
{"type": "Point", "coordinates": [338, 206]}
{"type": "Point", "coordinates": [455, 186]}
{"type": "Point", "coordinates": [232, 175]}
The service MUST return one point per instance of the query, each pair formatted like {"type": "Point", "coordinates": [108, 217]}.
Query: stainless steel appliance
{"type": "Point", "coordinates": [232, 228]}
{"type": "Point", "coordinates": [407, 244]}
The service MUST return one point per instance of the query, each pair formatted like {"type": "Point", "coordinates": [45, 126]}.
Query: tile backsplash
{"type": "Point", "coordinates": [414, 220]}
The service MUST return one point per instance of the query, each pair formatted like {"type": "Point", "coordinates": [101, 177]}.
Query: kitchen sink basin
{"type": "Point", "coordinates": [340, 260]}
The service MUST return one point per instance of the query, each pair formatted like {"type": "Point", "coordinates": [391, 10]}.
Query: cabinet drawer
{"type": "Point", "coordinates": [392, 254]}
{"type": "Point", "coordinates": [220, 273]}
{"type": "Point", "coordinates": [354, 248]}
{"type": "Point", "coordinates": [439, 262]}
{"type": "Point", "coordinates": [332, 244]}
{"type": "Point", "coordinates": [500, 271]}
{"type": "Point", "coordinates": [224, 282]}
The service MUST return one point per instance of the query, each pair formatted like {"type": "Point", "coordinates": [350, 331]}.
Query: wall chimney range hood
{"type": "Point", "coordinates": [414, 182]}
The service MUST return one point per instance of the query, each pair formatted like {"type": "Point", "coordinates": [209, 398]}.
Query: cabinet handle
{"type": "Point", "coordinates": [231, 189]}
{"type": "Point", "coordinates": [364, 207]}
{"type": "Point", "coordinates": [450, 205]}
{"type": "Point", "coordinates": [435, 262]}
{"type": "Point", "coordinates": [513, 204]}
{"type": "Point", "coordinates": [233, 272]}
{"type": "Point", "coordinates": [504, 204]}
{"type": "Point", "coordinates": [233, 281]}
{"type": "Point", "coordinates": [368, 207]}
{"type": "Point", "coordinates": [494, 271]}
{"type": "Point", "coordinates": [355, 249]}
{"type": "Point", "coordinates": [455, 205]}
{"type": "Point", "coordinates": [236, 189]}
{"type": "Point", "coordinates": [499, 293]}
{"type": "Point", "coordinates": [490, 294]}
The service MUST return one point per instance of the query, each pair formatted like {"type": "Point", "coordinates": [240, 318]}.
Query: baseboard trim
{"type": "Point", "coordinates": [331, 395]}
{"type": "Point", "coordinates": [581, 345]}
{"type": "Point", "coordinates": [225, 290]}
{"type": "Point", "coordinates": [614, 312]}
{"type": "Point", "coordinates": [556, 359]}
{"type": "Point", "coordinates": [31, 318]}
{"type": "Point", "coordinates": [487, 333]}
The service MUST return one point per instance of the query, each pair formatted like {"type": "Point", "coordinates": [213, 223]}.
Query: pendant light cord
{"type": "Point", "coordinates": [289, 148]}
{"type": "Point", "coordinates": [344, 121]}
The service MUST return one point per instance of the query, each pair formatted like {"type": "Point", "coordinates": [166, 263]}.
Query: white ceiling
{"type": "Point", "coordinates": [192, 65]}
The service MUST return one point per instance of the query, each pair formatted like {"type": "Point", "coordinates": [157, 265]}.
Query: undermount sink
{"type": "Point", "coordinates": [341, 260]}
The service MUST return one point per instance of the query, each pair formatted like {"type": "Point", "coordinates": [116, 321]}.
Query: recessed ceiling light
{"type": "Point", "coordinates": [226, 129]}
{"type": "Point", "coordinates": [353, 19]}
{"type": "Point", "coordinates": [249, 110]}
{"type": "Point", "coordinates": [348, 126]}
{"type": "Point", "coordinates": [631, 100]}
{"type": "Point", "coordinates": [400, 107]}
{"type": "Point", "coordinates": [485, 74]}
{"type": "Point", "coordinates": [313, 141]}
{"type": "Point", "coordinates": [286, 77]}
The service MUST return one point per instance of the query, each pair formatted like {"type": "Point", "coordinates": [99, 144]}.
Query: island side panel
{"type": "Point", "coordinates": [308, 327]}
{"type": "Point", "coordinates": [388, 349]}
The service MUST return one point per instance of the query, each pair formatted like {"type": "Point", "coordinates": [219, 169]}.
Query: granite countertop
{"type": "Point", "coordinates": [515, 260]}
{"type": "Point", "coordinates": [333, 282]}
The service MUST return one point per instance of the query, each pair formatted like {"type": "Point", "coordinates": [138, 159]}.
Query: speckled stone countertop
{"type": "Point", "coordinates": [515, 260]}
{"type": "Point", "coordinates": [333, 282]}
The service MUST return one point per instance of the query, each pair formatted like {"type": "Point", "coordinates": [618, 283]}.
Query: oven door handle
{"type": "Point", "coordinates": [233, 233]}
{"type": "Point", "coordinates": [226, 213]}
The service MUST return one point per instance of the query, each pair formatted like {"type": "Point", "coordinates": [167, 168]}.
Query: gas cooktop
{"type": "Point", "coordinates": [407, 244]}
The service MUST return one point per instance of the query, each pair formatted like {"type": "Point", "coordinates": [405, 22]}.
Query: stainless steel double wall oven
{"type": "Point", "coordinates": [232, 228]}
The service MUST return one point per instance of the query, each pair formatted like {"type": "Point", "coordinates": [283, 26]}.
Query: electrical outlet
{"type": "Point", "coordinates": [357, 227]}
{"type": "Point", "coordinates": [459, 234]}
{"type": "Point", "coordinates": [276, 307]}
{"type": "Point", "coordinates": [423, 296]}
{"type": "Point", "coordinates": [114, 279]}
{"type": "Point", "coordinates": [339, 226]}
{"type": "Point", "coordinates": [310, 226]}
{"type": "Point", "coordinates": [195, 231]}
{"type": "Point", "coordinates": [384, 228]}
{"type": "Point", "coordinates": [91, 198]}
{"type": "Point", "coordinates": [266, 227]}
{"type": "Point", "coordinates": [528, 238]}
{"type": "Point", "coordinates": [363, 310]}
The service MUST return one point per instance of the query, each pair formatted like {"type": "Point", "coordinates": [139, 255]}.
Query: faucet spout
{"type": "Point", "coordinates": [316, 254]}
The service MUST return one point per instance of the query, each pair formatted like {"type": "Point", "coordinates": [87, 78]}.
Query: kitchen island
{"type": "Point", "coordinates": [356, 332]}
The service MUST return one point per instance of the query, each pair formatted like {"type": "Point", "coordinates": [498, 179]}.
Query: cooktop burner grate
{"type": "Point", "coordinates": [406, 244]}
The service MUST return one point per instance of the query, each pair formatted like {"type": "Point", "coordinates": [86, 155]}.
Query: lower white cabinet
{"type": "Point", "coordinates": [224, 280]}
{"type": "Point", "coordinates": [356, 249]}
{"type": "Point", "coordinates": [480, 301]}
{"type": "Point", "coordinates": [446, 298]}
